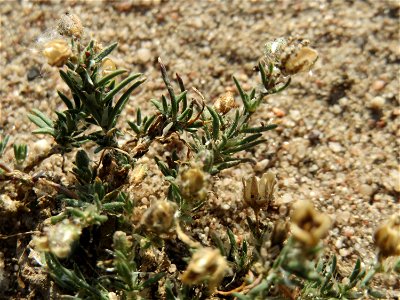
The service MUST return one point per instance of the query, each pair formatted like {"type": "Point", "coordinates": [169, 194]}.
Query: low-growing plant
{"type": "Point", "coordinates": [91, 245]}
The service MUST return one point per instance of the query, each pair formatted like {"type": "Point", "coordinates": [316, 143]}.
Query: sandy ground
{"type": "Point", "coordinates": [337, 141]}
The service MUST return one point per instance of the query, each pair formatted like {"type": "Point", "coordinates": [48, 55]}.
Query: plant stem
{"type": "Point", "coordinates": [39, 159]}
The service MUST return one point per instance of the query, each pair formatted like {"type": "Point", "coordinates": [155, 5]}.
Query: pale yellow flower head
{"type": "Point", "coordinates": [57, 52]}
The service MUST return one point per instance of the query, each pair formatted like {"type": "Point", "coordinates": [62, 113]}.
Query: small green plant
{"type": "Point", "coordinates": [94, 245]}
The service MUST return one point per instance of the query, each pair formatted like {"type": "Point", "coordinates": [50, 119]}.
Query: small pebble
{"type": "Point", "coordinates": [378, 85]}
{"type": "Point", "coordinates": [225, 206]}
{"type": "Point", "coordinates": [335, 147]}
{"type": "Point", "coordinates": [143, 55]}
{"type": "Point", "coordinates": [42, 145]}
{"type": "Point", "coordinates": [286, 198]}
{"type": "Point", "coordinates": [314, 137]}
{"type": "Point", "coordinates": [33, 73]}
{"type": "Point", "coordinates": [172, 268]}
{"type": "Point", "coordinates": [366, 189]}
{"type": "Point", "coordinates": [344, 252]}
{"type": "Point", "coordinates": [377, 103]}
{"type": "Point", "coordinates": [278, 112]}
{"type": "Point", "coordinates": [283, 210]}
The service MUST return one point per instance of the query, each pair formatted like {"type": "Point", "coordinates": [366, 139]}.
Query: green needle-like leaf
{"type": "Point", "coordinates": [108, 78]}
{"type": "Point", "coordinates": [215, 123]}
{"type": "Point", "coordinates": [120, 86]}
{"type": "Point", "coordinates": [105, 52]}
{"type": "Point", "coordinates": [119, 106]}
{"type": "Point", "coordinates": [65, 99]}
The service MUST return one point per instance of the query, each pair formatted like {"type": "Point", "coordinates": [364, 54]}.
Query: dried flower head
{"type": "Point", "coordinates": [57, 52]}
{"type": "Point", "coordinates": [290, 56]}
{"type": "Point", "coordinates": [225, 103]}
{"type": "Point", "coordinates": [387, 237]}
{"type": "Point", "coordinates": [307, 225]}
{"type": "Point", "coordinates": [192, 183]}
{"type": "Point", "coordinates": [159, 217]}
{"type": "Point", "coordinates": [259, 193]}
{"type": "Point", "coordinates": [193, 180]}
{"type": "Point", "coordinates": [206, 264]}
{"type": "Point", "coordinates": [59, 239]}
{"type": "Point", "coordinates": [107, 66]}
{"type": "Point", "coordinates": [70, 25]}
{"type": "Point", "coordinates": [121, 241]}
{"type": "Point", "coordinates": [279, 233]}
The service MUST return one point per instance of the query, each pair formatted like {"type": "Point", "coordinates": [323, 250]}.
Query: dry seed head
{"type": "Point", "coordinates": [206, 264]}
{"type": "Point", "coordinates": [307, 225]}
{"type": "Point", "coordinates": [387, 237]}
{"type": "Point", "coordinates": [159, 217]}
{"type": "Point", "coordinates": [57, 52]}
{"type": "Point", "coordinates": [225, 103]}
{"type": "Point", "coordinates": [279, 233]}
{"type": "Point", "coordinates": [301, 60]}
{"type": "Point", "coordinates": [59, 239]}
{"type": "Point", "coordinates": [139, 173]}
{"type": "Point", "coordinates": [193, 180]}
{"type": "Point", "coordinates": [70, 25]}
{"type": "Point", "coordinates": [259, 193]}
{"type": "Point", "coordinates": [121, 241]}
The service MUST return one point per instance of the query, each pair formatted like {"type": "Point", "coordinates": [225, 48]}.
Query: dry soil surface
{"type": "Point", "coordinates": [337, 141]}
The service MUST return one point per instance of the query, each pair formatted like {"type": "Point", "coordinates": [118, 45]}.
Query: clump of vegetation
{"type": "Point", "coordinates": [90, 245]}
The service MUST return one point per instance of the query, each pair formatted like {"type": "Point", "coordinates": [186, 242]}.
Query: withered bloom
{"type": "Point", "coordinates": [259, 193]}
{"type": "Point", "coordinates": [107, 66]}
{"type": "Point", "coordinates": [206, 265]}
{"type": "Point", "coordinates": [59, 239]}
{"type": "Point", "coordinates": [57, 52]}
{"type": "Point", "coordinates": [192, 182]}
{"type": "Point", "coordinates": [159, 217]}
{"type": "Point", "coordinates": [307, 225]}
{"type": "Point", "coordinates": [387, 237]}
{"type": "Point", "coordinates": [290, 56]}
{"type": "Point", "coordinates": [225, 103]}
{"type": "Point", "coordinates": [279, 233]}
